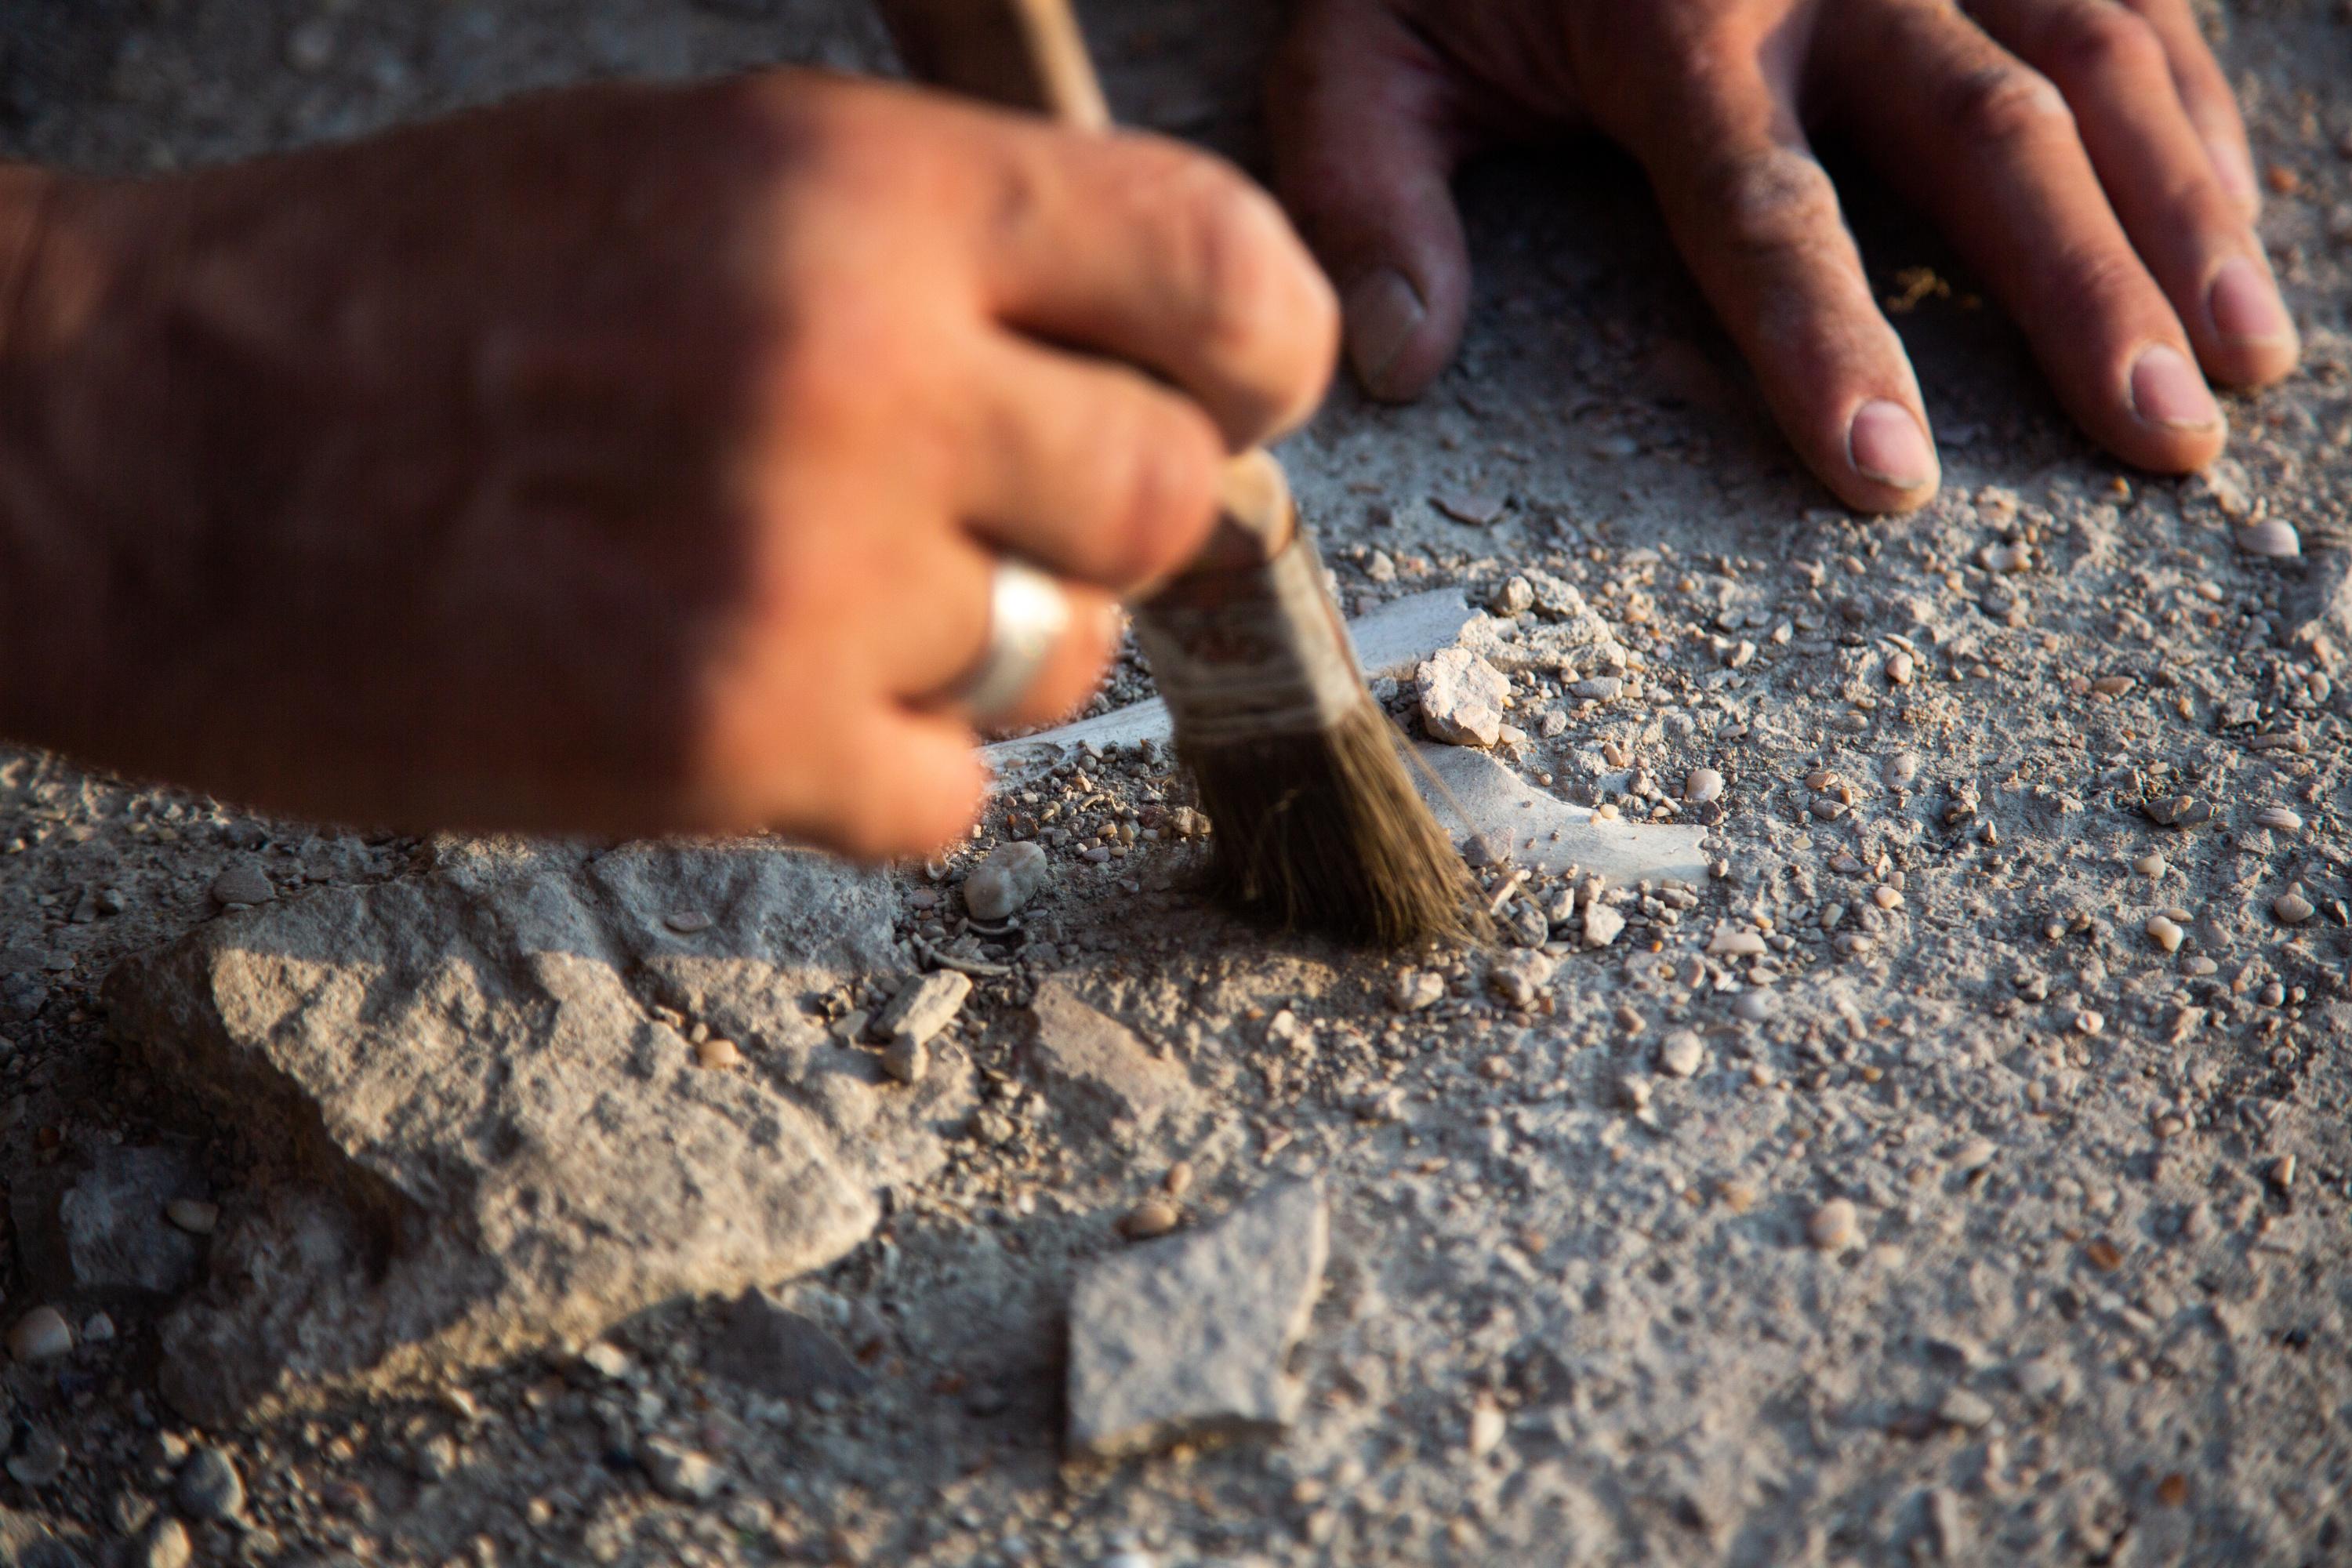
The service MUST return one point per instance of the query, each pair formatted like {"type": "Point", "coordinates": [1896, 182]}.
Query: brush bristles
{"type": "Point", "coordinates": [1323, 831]}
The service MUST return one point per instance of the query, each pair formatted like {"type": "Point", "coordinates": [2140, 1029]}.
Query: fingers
{"type": "Point", "coordinates": [1088, 469]}
{"type": "Point", "coordinates": [1987, 146]}
{"type": "Point", "coordinates": [1141, 250]}
{"type": "Point", "coordinates": [1356, 107]}
{"type": "Point", "coordinates": [909, 782]}
{"type": "Point", "coordinates": [2205, 94]}
{"type": "Point", "coordinates": [1758, 221]}
{"type": "Point", "coordinates": [2159, 175]}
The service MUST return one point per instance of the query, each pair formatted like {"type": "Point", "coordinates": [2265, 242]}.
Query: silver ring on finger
{"type": "Point", "coordinates": [1027, 616]}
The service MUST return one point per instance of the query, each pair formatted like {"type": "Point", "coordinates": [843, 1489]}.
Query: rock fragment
{"type": "Point", "coordinates": [1153, 1217]}
{"type": "Point", "coordinates": [40, 1458]}
{"type": "Point", "coordinates": [2273, 536]}
{"type": "Point", "coordinates": [1603, 925]}
{"type": "Point", "coordinates": [1703, 787]}
{"type": "Point", "coordinates": [1517, 978]}
{"type": "Point", "coordinates": [1005, 882]}
{"type": "Point", "coordinates": [906, 1059]}
{"type": "Point", "coordinates": [1095, 1069]}
{"type": "Point", "coordinates": [924, 1006]}
{"type": "Point", "coordinates": [1414, 990]}
{"type": "Point", "coordinates": [41, 1334]}
{"type": "Point", "coordinates": [762, 1344]}
{"type": "Point", "coordinates": [1462, 698]}
{"type": "Point", "coordinates": [164, 1544]}
{"type": "Point", "coordinates": [104, 1225]}
{"type": "Point", "coordinates": [209, 1485]}
{"type": "Point", "coordinates": [243, 882]}
{"type": "Point", "coordinates": [2291, 907]}
{"type": "Point", "coordinates": [1185, 1338]}
{"type": "Point", "coordinates": [680, 1473]}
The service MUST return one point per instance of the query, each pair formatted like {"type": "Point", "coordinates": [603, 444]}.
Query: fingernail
{"type": "Point", "coordinates": [1884, 443]}
{"type": "Point", "coordinates": [2246, 307]}
{"type": "Point", "coordinates": [1382, 310]}
{"type": "Point", "coordinates": [2166, 390]}
{"type": "Point", "coordinates": [2234, 167]}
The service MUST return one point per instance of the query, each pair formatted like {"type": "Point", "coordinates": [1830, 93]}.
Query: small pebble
{"type": "Point", "coordinates": [1153, 1217]}
{"type": "Point", "coordinates": [680, 1473]}
{"type": "Point", "coordinates": [2151, 866]}
{"type": "Point", "coordinates": [1755, 1006]}
{"type": "Point", "coordinates": [1516, 597]}
{"type": "Point", "coordinates": [1737, 941]}
{"type": "Point", "coordinates": [907, 1059]}
{"type": "Point", "coordinates": [1603, 925]}
{"type": "Point", "coordinates": [1899, 667]}
{"type": "Point", "coordinates": [1900, 769]}
{"type": "Point", "coordinates": [2273, 537]}
{"type": "Point", "coordinates": [2279, 819]}
{"type": "Point", "coordinates": [98, 1329]}
{"type": "Point", "coordinates": [1975, 1154]}
{"type": "Point", "coordinates": [1703, 786]}
{"type": "Point", "coordinates": [716, 1054]}
{"type": "Point", "coordinates": [1634, 1093]}
{"type": "Point", "coordinates": [243, 883]}
{"type": "Point", "coordinates": [1486, 1428]}
{"type": "Point", "coordinates": [41, 1334]}
{"type": "Point", "coordinates": [1965, 1408]}
{"type": "Point", "coordinates": [1832, 1226]}
{"type": "Point", "coordinates": [2089, 1022]}
{"type": "Point", "coordinates": [1179, 1179]}
{"type": "Point", "coordinates": [193, 1215]}
{"type": "Point", "coordinates": [1680, 1054]}
{"type": "Point", "coordinates": [165, 1545]}
{"type": "Point", "coordinates": [606, 1360]}
{"type": "Point", "coordinates": [686, 923]}
{"type": "Point", "coordinates": [2164, 932]}
{"type": "Point", "coordinates": [924, 1006]}
{"type": "Point", "coordinates": [209, 1485]}
{"type": "Point", "coordinates": [1888, 897]}
{"type": "Point", "coordinates": [1415, 989]}
{"type": "Point", "coordinates": [40, 1459]}
{"type": "Point", "coordinates": [2292, 908]}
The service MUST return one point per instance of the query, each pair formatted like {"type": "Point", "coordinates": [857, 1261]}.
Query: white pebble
{"type": "Point", "coordinates": [906, 1059]}
{"type": "Point", "coordinates": [2292, 908]}
{"type": "Point", "coordinates": [1680, 1054]}
{"type": "Point", "coordinates": [1900, 769]}
{"type": "Point", "coordinates": [1832, 1226]}
{"type": "Point", "coordinates": [2272, 537]}
{"type": "Point", "coordinates": [1603, 925]}
{"type": "Point", "coordinates": [2164, 932]}
{"type": "Point", "coordinates": [1733, 942]}
{"type": "Point", "coordinates": [2279, 819]}
{"type": "Point", "coordinates": [718, 1055]}
{"type": "Point", "coordinates": [1415, 989]}
{"type": "Point", "coordinates": [1888, 897]}
{"type": "Point", "coordinates": [2089, 1022]}
{"type": "Point", "coordinates": [1485, 1429]}
{"type": "Point", "coordinates": [2151, 866]}
{"type": "Point", "coordinates": [1005, 881]}
{"type": "Point", "coordinates": [1704, 784]}
{"type": "Point", "coordinates": [1899, 667]}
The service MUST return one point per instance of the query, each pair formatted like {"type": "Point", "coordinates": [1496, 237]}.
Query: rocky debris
{"type": "Point", "coordinates": [209, 1487]}
{"type": "Point", "coordinates": [1000, 885]}
{"type": "Point", "coordinates": [906, 1059]}
{"type": "Point", "coordinates": [499, 1137]}
{"type": "Point", "coordinates": [1096, 1069]}
{"type": "Point", "coordinates": [1462, 698]}
{"type": "Point", "coordinates": [104, 1224]}
{"type": "Point", "coordinates": [1153, 1217]}
{"type": "Point", "coordinates": [1475, 795]}
{"type": "Point", "coordinates": [28, 1543]}
{"type": "Point", "coordinates": [41, 1334]}
{"type": "Point", "coordinates": [1603, 925]}
{"type": "Point", "coordinates": [680, 1473]}
{"type": "Point", "coordinates": [923, 1007]}
{"type": "Point", "coordinates": [1563, 639]}
{"type": "Point", "coordinates": [1186, 1338]}
{"type": "Point", "coordinates": [762, 1344]}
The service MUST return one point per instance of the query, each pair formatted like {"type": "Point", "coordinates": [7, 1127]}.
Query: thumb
{"type": "Point", "coordinates": [1364, 155]}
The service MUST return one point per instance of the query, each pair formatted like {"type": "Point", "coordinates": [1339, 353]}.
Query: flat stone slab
{"type": "Point", "coordinates": [1187, 1337]}
{"type": "Point", "coordinates": [1390, 641]}
{"type": "Point", "coordinates": [477, 1134]}
{"type": "Point", "coordinates": [1097, 1071]}
{"type": "Point", "coordinates": [1474, 794]}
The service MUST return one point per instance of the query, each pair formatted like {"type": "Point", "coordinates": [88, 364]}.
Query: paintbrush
{"type": "Point", "coordinates": [1316, 823]}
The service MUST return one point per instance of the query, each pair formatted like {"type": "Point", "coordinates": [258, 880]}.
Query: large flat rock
{"type": "Point", "coordinates": [483, 1135]}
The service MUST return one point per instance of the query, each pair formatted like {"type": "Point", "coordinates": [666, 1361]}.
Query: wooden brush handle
{"type": "Point", "coordinates": [1029, 54]}
{"type": "Point", "coordinates": [1023, 54]}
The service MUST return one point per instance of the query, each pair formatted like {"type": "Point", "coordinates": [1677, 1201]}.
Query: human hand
{"type": "Point", "coordinates": [625, 459]}
{"type": "Point", "coordinates": [2085, 156]}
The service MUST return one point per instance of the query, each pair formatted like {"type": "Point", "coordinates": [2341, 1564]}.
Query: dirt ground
{"type": "Point", "coordinates": [1581, 1305]}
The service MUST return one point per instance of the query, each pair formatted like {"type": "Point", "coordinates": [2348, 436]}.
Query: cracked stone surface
{"type": "Point", "coordinates": [492, 1138]}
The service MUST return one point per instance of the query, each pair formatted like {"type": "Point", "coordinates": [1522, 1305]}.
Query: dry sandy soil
{"type": "Point", "coordinates": [1581, 1305]}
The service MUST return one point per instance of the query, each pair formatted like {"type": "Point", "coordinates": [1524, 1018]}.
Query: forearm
{"type": "Point", "coordinates": [26, 550]}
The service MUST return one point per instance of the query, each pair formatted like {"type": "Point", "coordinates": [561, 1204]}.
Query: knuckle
{"type": "Point", "coordinates": [1773, 201]}
{"type": "Point", "coordinates": [2095, 282]}
{"type": "Point", "coordinates": [1161, 475]}
{"type": "Point", "coordinates": [2004, 105]}
{"type": "Point", "coordinates": [1234, 268]}
{"type": "Point", "coordinates": [2099, 37]}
